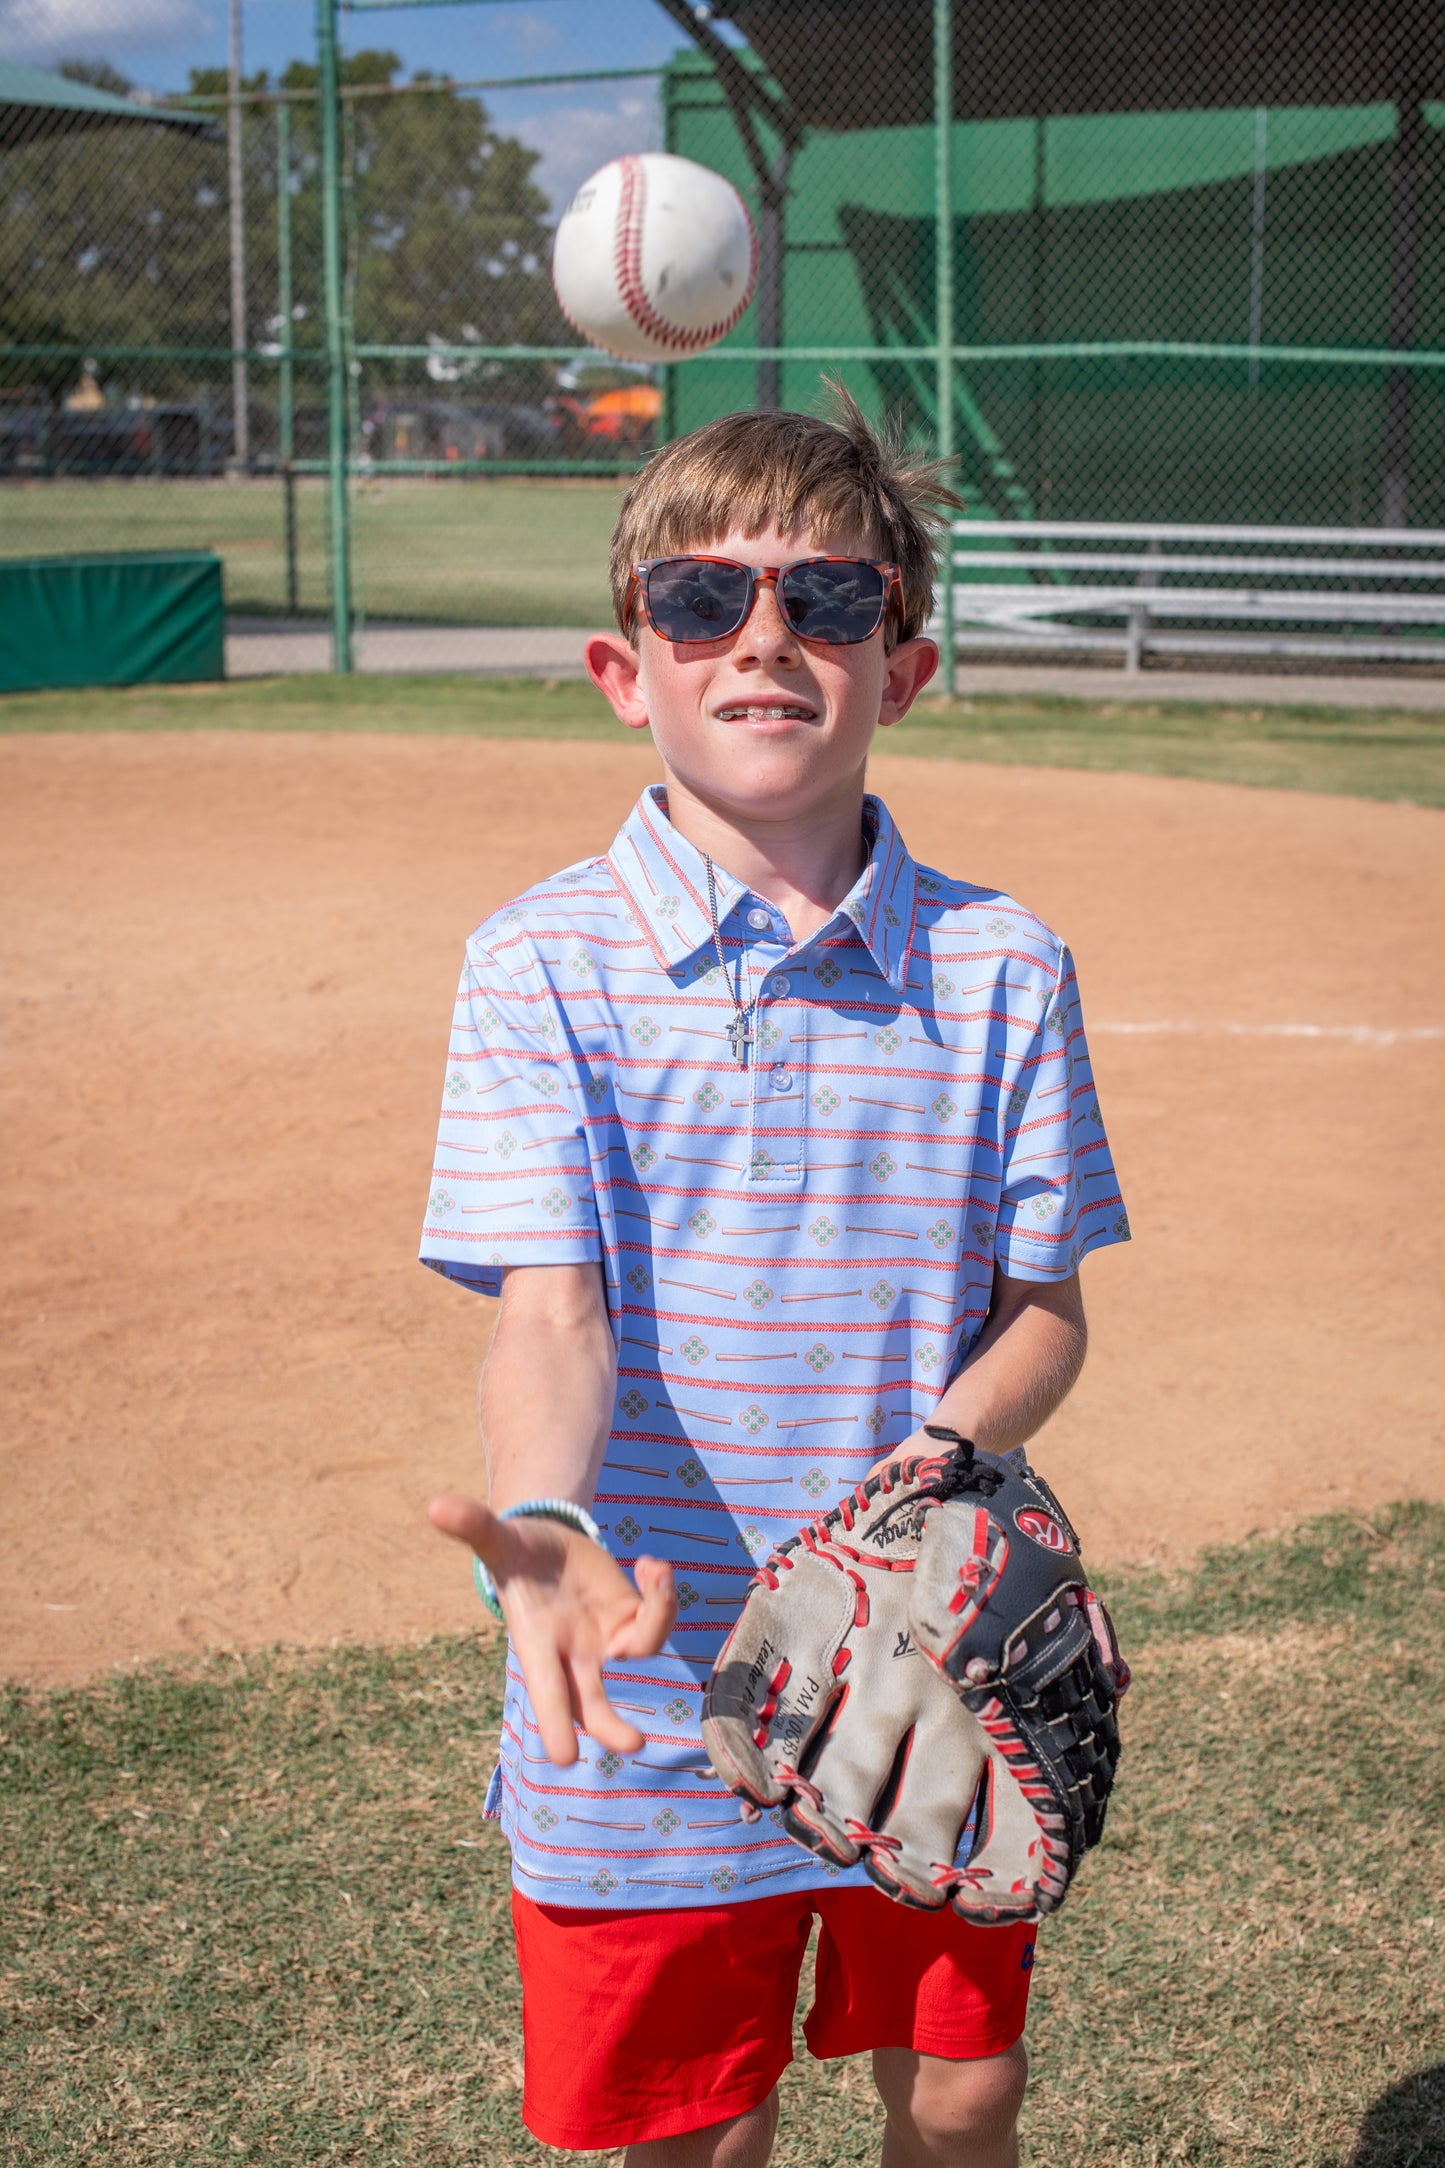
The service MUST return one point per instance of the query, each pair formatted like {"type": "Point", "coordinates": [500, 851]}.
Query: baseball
{"type": "Point", "coordinates": [655, 258]}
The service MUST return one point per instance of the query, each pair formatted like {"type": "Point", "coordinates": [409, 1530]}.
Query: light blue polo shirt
{"type": "Point", "coordinates": [798, 1252]}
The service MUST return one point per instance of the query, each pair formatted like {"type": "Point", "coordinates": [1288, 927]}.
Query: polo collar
{"type": "Point", "coordinates": [664, 878]}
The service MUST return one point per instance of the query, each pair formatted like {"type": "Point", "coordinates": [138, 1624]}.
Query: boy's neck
{"type": "Point", "coordinates": [804, 863]}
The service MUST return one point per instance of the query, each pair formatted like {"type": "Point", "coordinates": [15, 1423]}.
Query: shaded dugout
{"type": "Point", "coordinates": [1250, 175]}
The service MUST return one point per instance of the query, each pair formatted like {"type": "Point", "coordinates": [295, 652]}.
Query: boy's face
{"type": "Point", "coordinates": [762, 726]}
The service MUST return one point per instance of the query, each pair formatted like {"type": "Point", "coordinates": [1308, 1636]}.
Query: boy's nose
{"type": "Point", "coordinates": [765, 626]}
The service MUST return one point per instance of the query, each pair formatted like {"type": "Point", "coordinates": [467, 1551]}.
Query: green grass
{"type": "Point", "coordinates": [250, 1910]}
{"type": "Point", "coordinates": [509, 551]}
{"type": "Point", "coordinates": [421, 706]}
{"type": "Point", "coordinates": [1364, 753]}
{"type": "Point", "coordinates": [1361, 752]}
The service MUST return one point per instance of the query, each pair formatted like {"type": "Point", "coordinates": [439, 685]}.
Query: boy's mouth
{"type": "Point", "coordinates": [766, 711]}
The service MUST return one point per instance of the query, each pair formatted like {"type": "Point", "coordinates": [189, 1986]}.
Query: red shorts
{"type": "Point", "coordinates": [644, 2025]}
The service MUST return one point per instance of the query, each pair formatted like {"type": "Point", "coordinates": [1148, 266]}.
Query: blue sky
{"type": "Point", "coordinates": [157, 42]}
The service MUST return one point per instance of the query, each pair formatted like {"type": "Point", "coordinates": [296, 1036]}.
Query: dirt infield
{"type": "Point", "coordinates": [229, 965]}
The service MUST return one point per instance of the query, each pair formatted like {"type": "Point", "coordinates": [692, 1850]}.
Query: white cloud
{"type": "Point", "coordinates": [533, 34]}
{"type": "Point", "coordinates": [576, 140]}
{"type": "Point", "coordinates": [45, 31]}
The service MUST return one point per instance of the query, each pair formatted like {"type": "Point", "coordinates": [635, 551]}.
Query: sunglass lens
{"type": "Point", "coordinates": [839, 600]}
{"type": "Point", "coordinates": [697, 598]}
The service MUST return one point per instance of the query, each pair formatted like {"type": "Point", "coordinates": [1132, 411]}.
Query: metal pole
{"type": "Point", "coordinates": [943, 283]}
{"type": "Point", "coordinates": [1256, 243]}
{"type": "Point", "coordinates": [286, 375]}
{"type": "Point", "coordinates": [772, 205]}
{"type": "Point", "coordinates": [1038, 299]}
{"type": "Point", "coordinates": [667, 370]}
{"type": "Point", "coordinates": [1404, 268]}
{"type": "Point", "coordinates": [338, 505]}
{"type": "Point", "coordinates": [240, 389]}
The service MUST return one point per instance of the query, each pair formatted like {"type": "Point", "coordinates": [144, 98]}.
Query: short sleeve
{"type": "Point", "coordinates": [1060, 1195]}
{"type": "Point", "coordinates": [512, 1179]}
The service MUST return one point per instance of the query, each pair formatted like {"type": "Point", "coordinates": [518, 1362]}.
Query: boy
{"type": "Point", "coordinates": [776, 1146]}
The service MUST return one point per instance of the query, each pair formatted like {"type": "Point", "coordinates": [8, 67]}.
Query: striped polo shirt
{"type": "Point", "coordinates": [798, 1251]}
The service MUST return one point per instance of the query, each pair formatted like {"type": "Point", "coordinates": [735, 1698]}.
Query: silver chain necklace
{"type": "Point", "coordinates": [740, 1030]}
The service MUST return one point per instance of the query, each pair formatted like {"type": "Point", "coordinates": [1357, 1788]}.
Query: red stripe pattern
{"type": "Point", "coordinates": [798, 1253]}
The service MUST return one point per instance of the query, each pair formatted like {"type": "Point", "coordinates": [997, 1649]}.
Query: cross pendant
{"type": "Point", "coordinates": [741, 1036]}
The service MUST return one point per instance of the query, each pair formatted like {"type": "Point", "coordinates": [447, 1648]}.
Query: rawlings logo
{"type": "Point", "coordinates": [1041, 1528]}
{"type": "Point", "coordinates": [903, 1522]}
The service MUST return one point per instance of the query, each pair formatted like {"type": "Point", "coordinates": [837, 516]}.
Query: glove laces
{"type": "Point", "coordinates": [962, 1472]}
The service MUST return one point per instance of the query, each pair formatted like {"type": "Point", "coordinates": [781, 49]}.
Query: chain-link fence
{"type": "Point", "coordinates": [1127, 263]}
{"type": "Point", "coordinates": [478, 489]}
{"type": "Point", "coordinates": [1189, 246]}
{"type": "Point", "coordinates": [119, 421]}
{"type": "Point", "coordinates": [464, 370]}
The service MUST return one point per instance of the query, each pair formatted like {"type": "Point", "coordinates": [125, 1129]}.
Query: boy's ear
{"type": "Point", "coordinates": [909, 668]}
{"type": "Point", "coordinates": [613, 666]}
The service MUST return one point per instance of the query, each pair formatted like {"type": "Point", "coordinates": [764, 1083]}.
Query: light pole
{"type": "Point", "coordinates": [943, 299]}
{"type": "Point", "coordinates": [240, 390]}
{"type": "Point", "coordinates": [338, 384]}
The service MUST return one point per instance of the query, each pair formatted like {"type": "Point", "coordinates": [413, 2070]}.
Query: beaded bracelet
{"type": "Point", "coordinates": [537, 1509]}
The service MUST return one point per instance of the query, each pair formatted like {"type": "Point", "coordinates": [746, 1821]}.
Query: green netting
{"type": "Point", "coordinates": [1247, 232]}
{"type": "Point", "coordinates": [1196, 254]}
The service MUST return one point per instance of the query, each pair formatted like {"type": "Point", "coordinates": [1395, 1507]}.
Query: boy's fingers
{"type": "Point", "coordinates": [644, 1633]}
{"type": "Point", "coordinates": [474, 1525]}
{"type": "Point", "coordinates": [551, 1703]}
{"type": "Point", "coordinates": [598, 1715]}
{"type": "Point", "coordinates": [915, 1442]}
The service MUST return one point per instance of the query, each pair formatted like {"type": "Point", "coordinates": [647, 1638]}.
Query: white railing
{"type": "Point", "coordinates": [1370, 594]}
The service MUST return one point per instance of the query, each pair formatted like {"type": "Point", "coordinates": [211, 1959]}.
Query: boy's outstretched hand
{"type": "Point", "coordinates": [569, 1609]}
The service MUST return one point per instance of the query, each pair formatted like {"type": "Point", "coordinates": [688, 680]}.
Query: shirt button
{"type": "Point", "coordinates": [778, 987]}
{"type": "Point", "coordinates": [759, 921]}
{"type": "Point", "coordinates": [782, 1078]}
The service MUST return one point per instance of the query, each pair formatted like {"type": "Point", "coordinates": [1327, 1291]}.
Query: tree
{"type": "Point", "coordinates": [103, 232]}
{"type": "Point", "coordinates": [118, 237]}
{"type": "Point", "coordinates": [450, 235]}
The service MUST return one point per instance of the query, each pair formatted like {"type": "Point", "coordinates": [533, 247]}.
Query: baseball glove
{"type": "Point", "coordinates": [922, 1679]}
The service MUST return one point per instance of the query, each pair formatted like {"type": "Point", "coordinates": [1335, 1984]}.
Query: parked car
{"type": "Point", "coordinates": [24, 434]}
{"type": "Point", "coordinates": [455, 429]}
{"type": "Point", "coordinates": [178, 438]}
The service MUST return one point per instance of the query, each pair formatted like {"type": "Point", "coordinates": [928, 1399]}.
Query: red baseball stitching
{"type": "Point", "coordinates": [627, 267]}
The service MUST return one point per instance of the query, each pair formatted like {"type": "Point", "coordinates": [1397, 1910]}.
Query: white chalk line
{"type": "Point", "coordinates": [1349, 1034]}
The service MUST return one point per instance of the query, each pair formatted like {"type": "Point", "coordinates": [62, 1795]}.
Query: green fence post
{"type": "Point", "coordinates": [338, 502]}
{"type": "Point", "coordinates": [943, 284]}
{"type": "Point", "coordinates": [286, 375]}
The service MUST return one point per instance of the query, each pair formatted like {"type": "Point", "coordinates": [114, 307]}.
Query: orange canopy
{"type": "Point", "coordinates": [640, 402]}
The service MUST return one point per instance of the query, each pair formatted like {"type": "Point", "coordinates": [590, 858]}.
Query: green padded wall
{"type": "Point", "coordinates": [154, 619]}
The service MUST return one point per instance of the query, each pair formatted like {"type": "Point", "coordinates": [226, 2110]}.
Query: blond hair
{"type": "Point", "coordinates": [832, 477]}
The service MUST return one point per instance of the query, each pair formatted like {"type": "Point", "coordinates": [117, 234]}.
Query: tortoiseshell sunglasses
{"type": "Point", "coordinates": [837, 600]}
